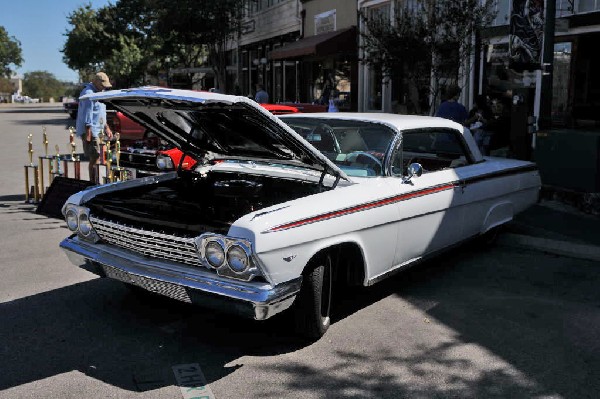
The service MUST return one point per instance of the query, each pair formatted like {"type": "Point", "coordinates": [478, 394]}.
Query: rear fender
{"type": "Point", "coordinates": [498, 214]}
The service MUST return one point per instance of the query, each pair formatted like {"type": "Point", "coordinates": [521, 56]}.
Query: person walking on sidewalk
{"type": "Point", "coordinates": [91, 120]}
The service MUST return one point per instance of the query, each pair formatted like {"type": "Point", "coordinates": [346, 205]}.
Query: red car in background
{"type": "Point", "coordinates": [143, 153]}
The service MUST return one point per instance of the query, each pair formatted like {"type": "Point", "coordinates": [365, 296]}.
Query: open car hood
{"type": "Point", "coordinates": [212, 126]}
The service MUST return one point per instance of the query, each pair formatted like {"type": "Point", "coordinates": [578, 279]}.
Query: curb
{"type": "Point", "coordinates": [564, 248]}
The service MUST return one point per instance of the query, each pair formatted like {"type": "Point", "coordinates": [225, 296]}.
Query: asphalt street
{"type": "Point", "coordinates": [516, 320]}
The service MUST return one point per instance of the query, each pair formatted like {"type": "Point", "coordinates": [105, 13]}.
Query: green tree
{"type": "Point", "coordinates": [10, 53]}
{"type": "Point", "coordinates": [6, 86]}
{"type": "Point", "coordinates": [197, 34]}
{"type": "Point", "coordinates": [426, 43]}
{"type": "Point", "coordinates": [134, 37]}
{"type": "Point", "coordinates": [86, 47]}
{"type": "Point", "coordinates": [42, 85]}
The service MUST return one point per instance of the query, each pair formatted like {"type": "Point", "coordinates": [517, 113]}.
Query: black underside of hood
{"type": "Point", "coordinates": [219, 130]}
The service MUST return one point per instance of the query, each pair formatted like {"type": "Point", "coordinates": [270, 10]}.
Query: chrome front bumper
{"type": "Point", "coordinates": [185, 283]}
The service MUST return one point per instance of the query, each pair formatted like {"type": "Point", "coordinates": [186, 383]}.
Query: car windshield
{"type": "Point", "coordinates": [356, 147]}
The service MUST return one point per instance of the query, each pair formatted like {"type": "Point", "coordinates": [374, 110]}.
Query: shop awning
{"type": "Point", "coordinates": [329, 43]}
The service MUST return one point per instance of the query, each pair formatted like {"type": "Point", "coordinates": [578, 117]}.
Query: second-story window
{"type": "Point", "coordinates": [588, 5]}
{"type": "Point", "coordinates": [502, 10]}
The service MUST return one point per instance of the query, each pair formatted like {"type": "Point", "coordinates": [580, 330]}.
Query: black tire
{"type": "Point", "coordinates": [313, 304]}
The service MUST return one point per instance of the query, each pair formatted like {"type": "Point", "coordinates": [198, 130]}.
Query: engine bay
{"type": "Point", "coordinates": [192, 204]}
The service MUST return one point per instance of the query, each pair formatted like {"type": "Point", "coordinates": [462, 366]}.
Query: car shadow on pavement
{"type": "Point", "coordinates": [49, 122]}
{"type": "Point", "coordinates": [34, 110]}
{"type": "Point", "coordinates": [129, 340]}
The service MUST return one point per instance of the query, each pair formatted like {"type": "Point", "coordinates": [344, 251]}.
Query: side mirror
{"type": "Point", "coordinates": [413, 170]}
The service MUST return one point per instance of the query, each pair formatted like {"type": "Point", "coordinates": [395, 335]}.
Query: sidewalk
{"type": "Point", "coordinates": [554, 227]}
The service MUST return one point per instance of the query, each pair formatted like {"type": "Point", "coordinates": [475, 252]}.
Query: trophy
{"type": "Point", "coordinates": [118, 148]}
{"type": "Point", "coordinates": [57, 169]}
{"type": "Point", "coordinates": [120, 170]}
{"type": "Point", "coordinates": [45, 141]}
{"type": "Point", "coordinates": [109, 173]}
{"type": "Point", "coordinates": [31, 191]}
{"type": "Point", "coordinates": [49, 159]}
{"type": "Point", "coordinates": [30, 150]}
{"type": "Point", "coordinates": [73, 145]}
{"type": "Point", "coordinates": [74, 159]}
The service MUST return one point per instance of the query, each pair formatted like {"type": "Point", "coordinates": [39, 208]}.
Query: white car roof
{"type": "Point", "coordinates": [398, 122]}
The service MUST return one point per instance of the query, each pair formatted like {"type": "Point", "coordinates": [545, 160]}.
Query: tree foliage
{"type": "Point", "coordinates": [10, 53]}
{"type": "Point", "coordinates": [42, 85]}
{"type": "Point", "coordinates": [5, 85]}
{"type": "Point", "coordinates": [428, 43]}
{"type": "Point", "coordinates": [134, 37]}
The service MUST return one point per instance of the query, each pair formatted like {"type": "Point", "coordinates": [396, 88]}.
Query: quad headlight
{"type": "Point", "coordinates": [230, 257]}
{"type": "Point", "coordinates": [85, 227]}
{"type": "Point", "coordinates": [237, 259]}
{"type": "Point", "coordinates": [72, 219]}
{"type": "Point", "coordinates": [214, 253]}
{"type": "Point", "coordinates": [78, 221]}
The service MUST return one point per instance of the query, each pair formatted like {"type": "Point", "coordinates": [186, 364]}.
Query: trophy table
{"type": "Point", "coordinates": [32, 194]}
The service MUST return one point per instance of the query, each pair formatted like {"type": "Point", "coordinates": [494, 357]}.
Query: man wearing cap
{"type": "Point", "coordinates": [91, 120]}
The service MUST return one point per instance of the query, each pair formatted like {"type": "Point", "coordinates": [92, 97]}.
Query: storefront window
{"type": "Point", "coordinates": [373, 76]}
{"type": "Point", "coordinates": [560, 83]}
{"type": "Point", "coordinates": [375, 89]}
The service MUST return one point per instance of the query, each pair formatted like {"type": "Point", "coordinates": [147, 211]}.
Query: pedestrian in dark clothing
{"type": "Point", "coordinates": [451, 108]}
{"type": "Point", "coordinates": [261, 96]}
{"type": "Point", "coordinates": [478, 122]}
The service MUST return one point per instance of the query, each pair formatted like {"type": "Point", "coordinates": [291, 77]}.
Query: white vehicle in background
{"type": "Point", "coordinates": [277, 215]}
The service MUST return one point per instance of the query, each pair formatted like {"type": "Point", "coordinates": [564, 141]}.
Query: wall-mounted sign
{"type": "Point", "coordinates": [325, 22]}
{"type": "Point", "coordinates": [248, 27]}
{"type": "Point", "coordinates": [526, 36]}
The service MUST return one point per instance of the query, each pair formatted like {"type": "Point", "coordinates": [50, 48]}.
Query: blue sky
{"type": "Point", "coordinates": [40, 26]}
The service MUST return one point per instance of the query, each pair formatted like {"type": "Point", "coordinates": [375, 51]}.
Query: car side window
{"type": "Point", "coordinates": [434, 149]}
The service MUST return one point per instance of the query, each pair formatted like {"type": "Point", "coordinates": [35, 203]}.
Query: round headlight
{"type": "Point", "coordinates": [85, 227]}
{"type": "Point", "coordinates": [71, 218]}
{"type": "Point", "coordinates": [237, 259]}
{"type": "Point", "coordinates": [164, 162]}
{"type": "Point", "coordinates": [214, 253]}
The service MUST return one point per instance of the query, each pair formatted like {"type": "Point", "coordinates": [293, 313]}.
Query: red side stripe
{"type": "Point", "coordinates": [360, 208]}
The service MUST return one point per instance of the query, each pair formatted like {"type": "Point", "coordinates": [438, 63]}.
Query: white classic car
{"type": "Point", "coordinates": [276, 215]}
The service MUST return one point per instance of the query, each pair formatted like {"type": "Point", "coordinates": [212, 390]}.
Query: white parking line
{"type": "Point", "coordinates": [191, 381]}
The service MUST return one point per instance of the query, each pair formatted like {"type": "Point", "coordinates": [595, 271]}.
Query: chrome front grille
{"type": "Point", "coordinates": [149, 243]}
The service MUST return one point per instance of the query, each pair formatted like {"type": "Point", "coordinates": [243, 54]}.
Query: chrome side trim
{"type": "Point", "coordinates": [197, 285]}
